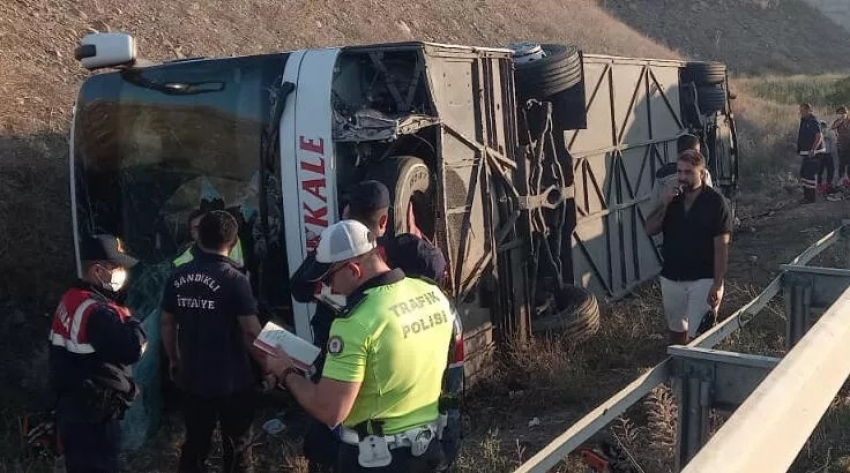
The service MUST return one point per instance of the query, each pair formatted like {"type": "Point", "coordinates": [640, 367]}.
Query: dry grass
{"type": "Point", "coordinates": [767, 133]}
{"type": "Point", "coordinates": [39, 79]}
{"type": "Point", "coordinates": [35, 252]}
{"type": "Point", "coordinates": [557, 382]}
{"type": "Point", "coordinates": [768, 118]}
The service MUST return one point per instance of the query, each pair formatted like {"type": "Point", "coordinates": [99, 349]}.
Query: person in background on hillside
{"type": "Point", "coordinates": [369, 203]}
{"type": "Point", "coordinates": [382, 383]}
{"type": "Point", "coordinates": [697, 227]}
{"type": "Point", "coordinates": [93, 342]}
{"type": "Point", "coordinates": [826, 160]}
{"type": "Point", "coordinates": [208, 327]}
{"type": "Point", "coordinates": [841, 127]}
{"type": "Point", "coordinates": [809, 145]}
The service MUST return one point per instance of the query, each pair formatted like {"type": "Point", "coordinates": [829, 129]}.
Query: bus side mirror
{"type": "Point", "coordinates": [98, 50]}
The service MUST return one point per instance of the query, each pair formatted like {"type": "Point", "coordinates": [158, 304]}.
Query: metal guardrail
{"type": "Point", "coordinates": [780, 415]}
{"type": "Point", "coordinates": [706, 378]}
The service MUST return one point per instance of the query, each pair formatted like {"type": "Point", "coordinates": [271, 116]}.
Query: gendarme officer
{"type": "Point", "coordinates": [93, 341]}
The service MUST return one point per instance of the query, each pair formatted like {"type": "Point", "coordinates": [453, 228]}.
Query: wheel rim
{"type": "Point", "coordinates": [527, 52]}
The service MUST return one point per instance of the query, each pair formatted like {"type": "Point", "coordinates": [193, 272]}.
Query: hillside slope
{"type": "Point", "coordinates": [836, 10]}
{"type": "Point", "coordinates": [752, 36]}
{"type": "Point", "coordinates": [38, 77]}
{"type": "Point", "coordinates": [44, 56]}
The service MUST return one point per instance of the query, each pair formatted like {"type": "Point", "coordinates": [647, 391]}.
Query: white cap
{"type": "Point", "coordinates": [344, 240]}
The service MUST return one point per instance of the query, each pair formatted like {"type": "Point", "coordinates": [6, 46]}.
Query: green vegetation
{"type": "Point", "coordinates": [825, 91]}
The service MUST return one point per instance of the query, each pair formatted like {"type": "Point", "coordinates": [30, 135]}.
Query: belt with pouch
{"type": "Point", "coordinates": [402, 439]}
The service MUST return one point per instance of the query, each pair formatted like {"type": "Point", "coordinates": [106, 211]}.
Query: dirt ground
{"type": "Point", "coordinates": [765, 239]}
{"type": "Point", "coordinates": [508, 421]}
{"type": "Point", "coordinates": [542, 390]}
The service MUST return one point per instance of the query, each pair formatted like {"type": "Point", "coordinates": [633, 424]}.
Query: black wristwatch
{"type": "Point", "coordinates": [287, 372]}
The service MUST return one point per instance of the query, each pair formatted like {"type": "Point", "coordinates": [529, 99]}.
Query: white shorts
{"type": "Point", "coordinates": [685, 303]}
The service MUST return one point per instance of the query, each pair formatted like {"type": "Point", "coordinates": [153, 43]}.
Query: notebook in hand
{"type": "Point", "coordinates": [302, 352]}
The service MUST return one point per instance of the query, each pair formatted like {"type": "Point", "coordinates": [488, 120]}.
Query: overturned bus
{"type": "Point", "coordinates": [530, 167]}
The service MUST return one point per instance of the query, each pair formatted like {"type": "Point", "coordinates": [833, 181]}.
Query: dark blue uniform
{"type": "Point", "coordinates": [810, 165]}
{"type": "Point", "coordinates": [207, 296]}
{"type": "Point", "coordinates": [93, 342]}
{"type": "Point", "coordinates": [807, 133]}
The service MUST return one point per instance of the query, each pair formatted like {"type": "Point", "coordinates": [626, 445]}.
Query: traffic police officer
{"type": "Point", "coordinates": [192, 250]}
{"type": "Point", "coordinates": [369, 203]}
{"type": "Point", "coordinates": [93, 341]}
{"type": "Point", "coordinates": [208, 326]}
{"type": "Point", "coordinates": [381, 382]}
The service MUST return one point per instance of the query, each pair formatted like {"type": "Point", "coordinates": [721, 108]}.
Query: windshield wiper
{"type": "Point", "coordinates": [173, 88]}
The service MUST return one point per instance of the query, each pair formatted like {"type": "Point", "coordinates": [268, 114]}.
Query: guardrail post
{"type": "Point", "coordinates": [692, 386]}
{"type": "Point", "coordinates": [798, 302]}
{"type": "Point", "coordinates": [766, 413]}
{"type": "Point", "coordinates": [845, 237]}
{"type": "Point", "coordinates": [767, 431]}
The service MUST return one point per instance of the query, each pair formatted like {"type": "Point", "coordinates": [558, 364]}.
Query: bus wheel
{"type": "Point", "coordinates": [576, 318]}
{"type": "Point", "coordinates": [408, 179]}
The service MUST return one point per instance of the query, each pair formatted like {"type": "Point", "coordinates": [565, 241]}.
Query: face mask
{"type": "Point", "coordinates": [116, 281]}
{"type": "Point", "coordinates": [337, 301]}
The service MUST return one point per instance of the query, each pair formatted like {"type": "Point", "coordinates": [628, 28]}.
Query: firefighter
{"type": "Point", "coordinates": [810, 146]}
{"type": "Point", "coordinates": [369, 203]}
{"type": "Point", "coordinates": [386, 359]}
{"type": "Point", "coordinates": [208, 326]}
{"type": "Point", "coordinates": [93, 341]}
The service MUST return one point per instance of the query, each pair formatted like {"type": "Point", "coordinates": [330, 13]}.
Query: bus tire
{"type": "Point", "coordinates": [704, 73]}
{"type": "Point", "coordinates": [577, 318]}
{"type": "Point", "coordinates": [559, 70]}
{"type": "Point", "coordinates": [408, 179]}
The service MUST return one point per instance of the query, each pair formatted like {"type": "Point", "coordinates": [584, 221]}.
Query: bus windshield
{"type": "Point", "coordinates": [151, 144]}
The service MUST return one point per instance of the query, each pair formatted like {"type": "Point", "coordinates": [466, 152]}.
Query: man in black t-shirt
{"type": "Point", "coordinates": [209, 324]}
{"type": "Point", "coordinates": [697, 226]}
